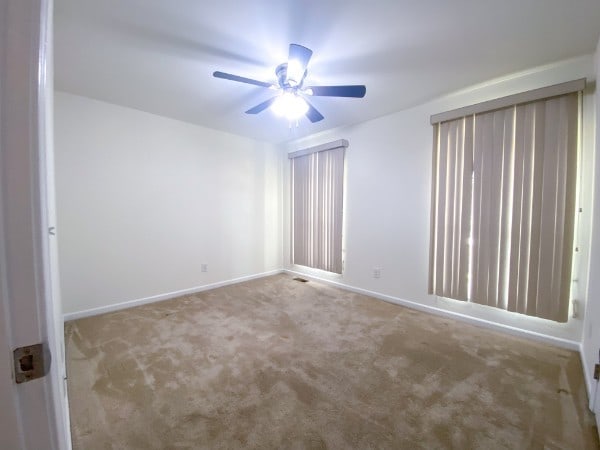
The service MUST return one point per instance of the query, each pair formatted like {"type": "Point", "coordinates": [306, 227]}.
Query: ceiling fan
{"type": "Point", "coordinates": [291, 101]}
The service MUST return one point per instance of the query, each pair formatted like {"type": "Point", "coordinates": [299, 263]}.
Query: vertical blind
{"type": "Point", "coordinates": [317, 208]}
{"type": "Point", "coordinates": [503, 207]}
{"type": "Point", "coordinates": [453, 166]}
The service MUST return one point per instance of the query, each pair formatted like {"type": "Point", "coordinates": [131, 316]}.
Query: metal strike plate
{"type": "Point", "coordinates": [30, 362]}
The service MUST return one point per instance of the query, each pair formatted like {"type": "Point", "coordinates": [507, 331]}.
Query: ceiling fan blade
{"type": "Point", "coordinates": [312, 114]}
{"type": "Point", "coordinates": [261, 107]}
{"type": "Point", "coordinates": [228, 76]}
{"type": "Point", "coordinates": [357, 91]}
{"type": "Point", "coordinates": [298, 59]}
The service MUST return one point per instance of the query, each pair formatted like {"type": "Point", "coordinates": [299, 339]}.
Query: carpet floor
{"type": "Point", "coordinates": [276, 363]}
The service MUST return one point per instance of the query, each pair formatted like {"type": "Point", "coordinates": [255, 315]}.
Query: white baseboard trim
{"type": "Point", "coordinates": [556, 341]}
{"type": "Point", "coordinates": [514, 331]}
{"type": "Point", "coordinates": [157, 298]}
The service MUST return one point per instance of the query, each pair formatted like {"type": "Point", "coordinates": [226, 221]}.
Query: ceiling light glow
{"type": "Point", "coordinates": [290, 106]}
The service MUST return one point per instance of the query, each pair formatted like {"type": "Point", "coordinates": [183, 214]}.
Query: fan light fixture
{"type": "Point", "coordinates": [290, 106]}
{"type": "Point", "coordinates": [292, 102]}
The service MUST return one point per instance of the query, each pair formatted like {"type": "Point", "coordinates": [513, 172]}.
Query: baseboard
{"type": "Point", "coordinates": [160, 297]}
{"type": "Point", "coordinates": [514, 331]}
{"type": "Point", "coordinates": [552, 340]}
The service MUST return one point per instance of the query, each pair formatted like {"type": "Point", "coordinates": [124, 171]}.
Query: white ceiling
{"type": "Point", "coordinates": [159, 55]}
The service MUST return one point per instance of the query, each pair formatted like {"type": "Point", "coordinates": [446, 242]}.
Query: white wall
{"type": "Point", "coordinates": [590, 344]}
{"type": "Point", "coordinates": [143, 201]}
{"type": "Point", "coordinates": [387, 200]}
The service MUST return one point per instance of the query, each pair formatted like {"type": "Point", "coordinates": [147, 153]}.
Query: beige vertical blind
{"type": "Point", "coordinates": [317, 207]}
{"type": "Point", "coordinates": [451, 218]}
{"type": "Point", "coordinates": [504, 194]}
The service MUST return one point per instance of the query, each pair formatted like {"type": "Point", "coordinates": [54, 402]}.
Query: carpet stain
{"type": "Point", "coordinates": [273, 363]}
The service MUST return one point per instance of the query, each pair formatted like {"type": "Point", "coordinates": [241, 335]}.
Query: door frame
{"type": "Point", "coordinates": [595, 406]}
{"type": "Point", "coordinates": [33, 414]}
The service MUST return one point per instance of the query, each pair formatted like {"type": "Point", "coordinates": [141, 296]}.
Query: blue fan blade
{"type": "Point", "coordinates": [298, 59]}
{"type": "Point", "coordinates": [228, 76]}
{"type": "Point", "coordinates": [261, 107]}
{"type": "Point", "coordinates": [357, 91]}
{"type": "Point", "coordinates": [312, 114]}
{"type": "Point", "coordinates": [300, 54]}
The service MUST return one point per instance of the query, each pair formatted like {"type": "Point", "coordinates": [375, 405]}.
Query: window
{"type": "Point", "coordinates": [503, 202]}
{"type": "Point", "coordinates": [317, 181]}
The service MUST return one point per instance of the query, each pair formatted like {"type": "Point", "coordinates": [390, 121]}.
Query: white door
{"type": "Point", "coordinates": [33, 414]}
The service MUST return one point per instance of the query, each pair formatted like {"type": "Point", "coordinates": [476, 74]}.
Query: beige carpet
{"type": "Point", "coordinates": [275, 363]}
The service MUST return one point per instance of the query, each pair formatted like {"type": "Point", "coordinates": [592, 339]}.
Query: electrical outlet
{"type": "Point", "coordinates": [376, 272]}
{"type": "Point", "coordinates": [203, 267]}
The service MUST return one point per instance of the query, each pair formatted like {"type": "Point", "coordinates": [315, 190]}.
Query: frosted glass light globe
{"type": "Point", "coordinates": [290, 106]}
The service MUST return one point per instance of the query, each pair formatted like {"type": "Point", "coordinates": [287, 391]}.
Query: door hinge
{"type": "Point", "coordinates": [31, 362]}
{"type": "Point", "coordinates": [597, 372]}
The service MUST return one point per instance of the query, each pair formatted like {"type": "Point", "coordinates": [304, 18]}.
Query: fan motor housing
{"type": "Point", "coordinates": [281, 72]}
